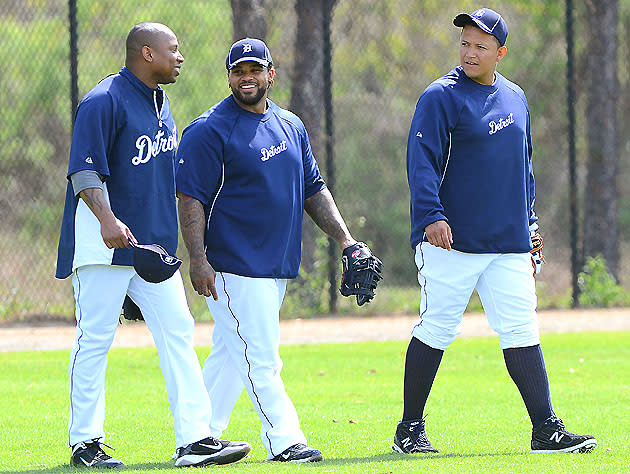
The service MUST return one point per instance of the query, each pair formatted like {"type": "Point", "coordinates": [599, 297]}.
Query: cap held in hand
{"type": "Point", "coordinates": [153, 263]}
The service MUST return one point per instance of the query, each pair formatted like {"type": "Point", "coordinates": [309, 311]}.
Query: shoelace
{"type": "Point", "coordinates": [560, 426]}
{"type": "Point", "coordinates": [101, 444]}
{"type": "Point", "coordinates": [416, 424]}
{"type": "Point", "coordinates": [297, 448]}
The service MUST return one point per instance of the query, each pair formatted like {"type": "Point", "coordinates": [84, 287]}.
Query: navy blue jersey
{"type": "Point", "coordinates": [252, 172]}
{"type": "Point", "coordinates": [124, 131]}
{"type": "Point", "coordinates": [469, 163]}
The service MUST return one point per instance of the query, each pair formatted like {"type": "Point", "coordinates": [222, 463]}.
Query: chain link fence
{"type": "Point", "coordinates": [384, 53]}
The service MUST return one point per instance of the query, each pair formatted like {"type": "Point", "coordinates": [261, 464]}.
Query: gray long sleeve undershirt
{"type": "Point", "coordinates": [85, 179]}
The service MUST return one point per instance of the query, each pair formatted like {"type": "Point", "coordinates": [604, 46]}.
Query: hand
{"type": "Point", "coordinates": [202, 277]}
{"type": "Point", "coordinates": [115, 233]}
{"type": "Point", "coordinates": [439, 234]}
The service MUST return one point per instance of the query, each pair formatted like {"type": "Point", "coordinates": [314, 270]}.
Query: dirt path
{"type": "Point", "coordinates": [306, 331]}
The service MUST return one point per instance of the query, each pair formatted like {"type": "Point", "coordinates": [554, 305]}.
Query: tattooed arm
{"type": "Point", "coordinates": [115, 233]}
{"type": "Point", "coordinates": [323, 210]}
{"type": "Point", "coordinates": [192, 223]}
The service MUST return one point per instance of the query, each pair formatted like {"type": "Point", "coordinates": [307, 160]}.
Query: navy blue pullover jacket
{"type": "Point", "coordinates": [469, 163]}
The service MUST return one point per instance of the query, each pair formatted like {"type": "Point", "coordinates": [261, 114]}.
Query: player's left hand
{"type": "Point", "coordinates": [439, 234]}
{"type": "Point", "coordinates": [361, 272]}
{"type": "Point", "coordinates": [537, 250]}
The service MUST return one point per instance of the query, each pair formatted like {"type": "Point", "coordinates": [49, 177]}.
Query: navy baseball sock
{"type": "Point", "coordinates": [526, 366]}
{"type": "Point", "coordinates": [421, 366]}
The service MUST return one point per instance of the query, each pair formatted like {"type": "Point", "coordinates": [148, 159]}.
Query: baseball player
{"type": "Point", "coordinates": [472, 225]}
{"type": "Point", "coordinates": [122, 169]}
{"type": "Point", "coordinates": [245, 174]}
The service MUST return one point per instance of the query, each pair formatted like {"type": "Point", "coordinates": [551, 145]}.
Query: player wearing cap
{"type": "Point", "coordinates": [472, 209]}
{"type": "Point", "coordinates": [121, 166]}
{"type": "Point", "coordinates": [245, 174]}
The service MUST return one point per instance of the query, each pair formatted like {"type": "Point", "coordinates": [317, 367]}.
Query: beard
{"type": "Point", "coordinates": [251, 100]}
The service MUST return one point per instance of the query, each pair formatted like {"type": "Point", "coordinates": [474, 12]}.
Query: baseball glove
{"type": "Point", "coordinates": [537, 251]}
{"type": "Point", "coordinates": [130, 310]}
{"type": "Point", "coordinates": [361, 272]}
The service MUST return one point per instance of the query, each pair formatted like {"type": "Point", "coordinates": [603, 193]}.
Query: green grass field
{"type": "Point", "coordinates": [349, 398]}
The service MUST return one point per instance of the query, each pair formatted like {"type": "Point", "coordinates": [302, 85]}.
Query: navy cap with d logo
{"type": "Point", "coordinates": [153, 263]}
{"type": "Point", "coordinates": [248, 49]}
{"type": "Point", "coordinates": [487, 20]}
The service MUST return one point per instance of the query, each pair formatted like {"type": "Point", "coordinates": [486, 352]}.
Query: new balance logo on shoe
{"type": "Point", "coordinates": [411, 437]}
{"type": "Point", "coordinates": [557, 436]}
{"type": "Point", "coordinates": [553, 437]}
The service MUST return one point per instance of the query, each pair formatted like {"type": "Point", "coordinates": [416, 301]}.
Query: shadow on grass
{"type": "Point", "coordinates": [392, 456]}
{"type": "Point", "coordinates": [63, 468]}
{"type": "Point", "coordinates": [383, 457]}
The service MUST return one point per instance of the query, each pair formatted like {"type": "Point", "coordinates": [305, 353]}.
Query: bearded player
{"type": "Point", "coordinates": [245, 176]}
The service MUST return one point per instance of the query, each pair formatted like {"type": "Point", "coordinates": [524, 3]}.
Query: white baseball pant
{"type": "Point", "coordinates": [505, 285]}
{"type": "Point", "coordinates": [245, 354]}
{"type": "Point", "coordinates": [99, 291]}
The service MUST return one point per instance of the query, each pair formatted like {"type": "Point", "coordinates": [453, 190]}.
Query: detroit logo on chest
{"type": "Point", "coordinates": [149, 148]}
{"type": "Point", "coordinates": [500, 124]}
{"type": "Point", "coordinates": [272, 151]}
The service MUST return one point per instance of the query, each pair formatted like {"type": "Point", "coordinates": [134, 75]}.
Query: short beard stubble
{"type": "Point", "coordinates": [251, 100]}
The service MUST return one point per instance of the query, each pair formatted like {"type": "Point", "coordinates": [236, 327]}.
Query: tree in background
{"type": "Point", "coordinates": [384, 55]}
{"type": "Point", "coordinates": [307, 93]}
{"type": "Point", "coordinates": [248, 19]}
{"type": "Point", "coordinates": [601, 224]}
{"type": "Point", "coordinates": [307, 85]}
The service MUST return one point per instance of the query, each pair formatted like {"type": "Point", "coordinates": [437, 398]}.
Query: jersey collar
{"type": "Point", "coordinates": [141, 86]}
{"type": "Point", "coordinates": [262, 117]}
{"type": "Point", "coordinates": [488, 88]}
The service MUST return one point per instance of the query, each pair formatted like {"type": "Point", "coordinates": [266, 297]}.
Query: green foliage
{"type": "Point", "coordinates": [307, 295]}
{"type": "Point", "coordinates": [35, 123]}
{"type": "Point", "coordinates": [348, 398]}
{"type": "Point", "coordinates": [203, 31]}
{"type": "Point", "coordinates": [548, 300]}
{"type": "Point", "coordinates": [388, 300]}
{"type": "Point", "coordinates": [384, 55]}
{"type": "Point", "coordinates": [598, 287]}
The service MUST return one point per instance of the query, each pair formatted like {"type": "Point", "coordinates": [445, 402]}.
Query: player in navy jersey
{"type": "Point", "coordinates": [121, 189]}
{"type": "Point", "coordinates": [470, 176]}
{"type": "Point", "coordinates": [245, 175]}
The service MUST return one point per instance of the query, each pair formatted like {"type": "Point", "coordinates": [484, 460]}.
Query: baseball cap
{"type": "Point", "coordinates": [248, 49]}
{"type": "Point", "coordinates": [153, 263]}
{"type": "Point", "coordinates": [487, 20]}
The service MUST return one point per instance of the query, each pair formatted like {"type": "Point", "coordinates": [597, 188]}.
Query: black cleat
{"type": "Point", "coordinates": [211, 451]}
{"type": "Point", "coordinates": [411, 437]}
{"type": "Point", "coordinates": [299, 453]}
{"type": "Point", "coordinates": [553, 437]}
{"type": "Point", "coordinates": [91, 454]}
